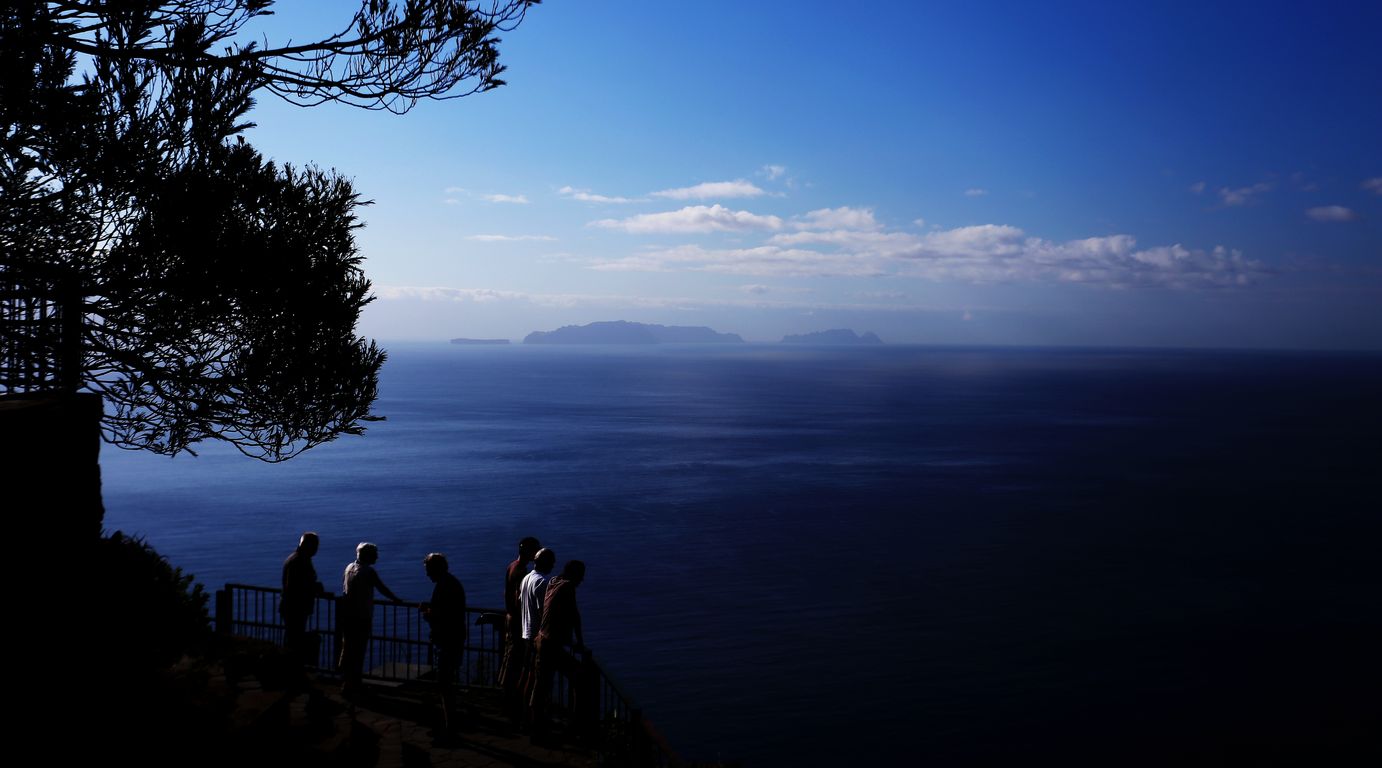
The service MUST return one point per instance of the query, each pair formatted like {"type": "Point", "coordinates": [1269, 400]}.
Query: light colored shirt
{"type": "Point", "coordinates": [358, 589]}
{"type": "Point", "coordinates": [531, 592]}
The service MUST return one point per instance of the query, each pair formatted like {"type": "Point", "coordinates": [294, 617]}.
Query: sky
{"type": "Point", "coordinates": [1061, 173]}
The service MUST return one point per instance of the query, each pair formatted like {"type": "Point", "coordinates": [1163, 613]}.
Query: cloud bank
{"type": "Point", "coordinates": [985, 253]}
{"type": "Point", "coordinates": [609, 301]}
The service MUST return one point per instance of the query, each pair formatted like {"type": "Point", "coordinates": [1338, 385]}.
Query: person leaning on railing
{"type": "Point", "coordinates": [357, 613]}
{"type": "Point", "coordinates": [560, 626]}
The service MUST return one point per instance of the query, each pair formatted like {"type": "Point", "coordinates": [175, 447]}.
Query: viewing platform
{"type": "Point", "coordinates": [395, 721]}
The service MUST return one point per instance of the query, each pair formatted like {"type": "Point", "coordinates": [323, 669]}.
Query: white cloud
{"type": "Point", "coordinates": [397, 293]}
{"type": "Point", "coordinates": [491, 295]}
{"type": "Point", "coordinates": [586, 196]}
{"type": "Point", "coordinates": [692, 219]}
{"type": "Point", "coordinates": [919, 222]}
{"type": "Point", "coordinates": [984, 239]}
{"type": "Point", "coordinates": [508, 238]}
{"type": "Point", "coordinates": [1242, 195]}
{"type": "Point", "coordinates": [764, 260]}
{"type": "Point", "coordinates": [773, 172]}
{"type": "Point", "coordinates": [712, 189]}
{"type": "Point", "coordinates": [838, 218]}
{"type": "Point", "coordinates": [1373, 185]}
{"type": "Point", "coordinates": [498, 198]}
{"type": "Point", "coordinates": [756, 290]}
{"type": "Point", "coordinates": [976, 192]}
{"type": "Point", "coordinates": [884, 243]}
{"type": "Point", "coordinates": [1198, 187]}
{"type": "Point", "coordinates": [1331, 213]}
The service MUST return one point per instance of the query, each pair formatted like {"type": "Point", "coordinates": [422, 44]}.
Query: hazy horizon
{"type": "Point", "coordinates": [518, 341]}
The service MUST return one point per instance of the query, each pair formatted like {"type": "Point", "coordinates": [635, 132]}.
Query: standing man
{"type": "Point", "coordinates": [357, 613]}
{"type": "Point", "coordinates": [300, 591]}
{"type": "Point", "coordinates": [511, 668]}
{"type": "Point", "coordinates": [446, 614]}
{"type": "Point", "coordinates": [561, 624]}
{"type": "Point", "coordinates": [531, 594]}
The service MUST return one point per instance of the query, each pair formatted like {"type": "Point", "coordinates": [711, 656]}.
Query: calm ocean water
{"type": "Point", "coordinates": [899, 554]}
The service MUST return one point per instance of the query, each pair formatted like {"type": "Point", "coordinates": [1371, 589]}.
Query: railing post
{"type": "Point", "coordinates": [587, 713]}
{"type": "Point", "coordinates": [636, 740]}
{"type": "Point", "coordinates": [338, 606]}
{"type": "Point", "coordinates": [225, 614]}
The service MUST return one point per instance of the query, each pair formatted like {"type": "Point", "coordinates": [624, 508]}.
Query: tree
{"type": "Point", "coordinates": [220, 291]}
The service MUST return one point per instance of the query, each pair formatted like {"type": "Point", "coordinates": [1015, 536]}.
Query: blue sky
{"type": "Point", "coordinates": [1165, 174]}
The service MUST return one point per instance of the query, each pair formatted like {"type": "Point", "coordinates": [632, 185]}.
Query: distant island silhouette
{"type": "Point", "coordinates": [833, 336]}
{"type": "Point", "coordinates": [624, 332]}
{"type": "Point", "coordinates": [479, 341]}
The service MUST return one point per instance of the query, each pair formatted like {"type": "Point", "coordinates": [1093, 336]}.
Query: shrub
{"type": "Point", "coordinates": [148, 612]}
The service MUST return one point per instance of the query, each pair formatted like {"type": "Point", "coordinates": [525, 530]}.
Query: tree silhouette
{"type": "Point", "coordinates": [219, 291]}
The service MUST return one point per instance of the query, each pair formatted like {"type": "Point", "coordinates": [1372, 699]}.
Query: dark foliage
{"type": "Point", "coordinates": [243, 282]}
{"type": "Point", "coordinates": [145, 611]}
{"type": "Point", "coordinates": [220, 291]}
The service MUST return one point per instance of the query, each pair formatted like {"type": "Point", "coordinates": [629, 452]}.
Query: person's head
{"type": "Point", "coordinates": [573, 571]}
{"type": "Point", "coordinates": [435, 565]}
{"type": "Point", "coordinates": [308, 544]}
{"type": "Point", "coordinates": [527, 547]}
{"type": "Point", "coordinates": [544, 560]}
{"type": "Point", "coordinates": [366, 553]}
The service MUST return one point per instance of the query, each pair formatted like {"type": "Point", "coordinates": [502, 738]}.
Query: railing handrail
{"type": "Point", "coordinates": [377, 601]}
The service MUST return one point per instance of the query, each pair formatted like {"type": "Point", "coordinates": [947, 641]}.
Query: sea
{"type": "Point", "coordinates": [883, 555]}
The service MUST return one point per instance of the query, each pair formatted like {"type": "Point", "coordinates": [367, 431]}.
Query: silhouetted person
{"type": "Point", "coordinates": [511, 669]}
{"type": "Point", "coordinates": [531, 593]}
{"type": "Point", "coordinates": [560, 626]}
{"type": "Point", "coordinates": [357, 612]}
{"type": "Point", "coordinates": [446, 614]}
{"type": "Point", "coordinates": [300, 591]}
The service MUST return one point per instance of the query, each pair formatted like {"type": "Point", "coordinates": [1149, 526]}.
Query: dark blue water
{"type": "Point", "coordinates": [815, 556]}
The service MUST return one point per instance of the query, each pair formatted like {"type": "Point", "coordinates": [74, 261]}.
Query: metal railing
{"type": "Point", "coordinates": [40, 330]}
{"type": "Point", "coordinates": [626, 737]}
{"type": "Point", "coordinates": [399, 651]}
